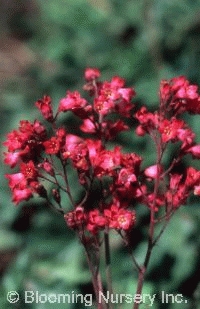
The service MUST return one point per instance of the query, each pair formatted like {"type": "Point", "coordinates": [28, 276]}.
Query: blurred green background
{"type": "Point", "coordinates": [44, 47]}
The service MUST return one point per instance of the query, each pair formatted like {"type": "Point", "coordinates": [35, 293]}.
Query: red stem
{"type": "Point", "coordinates": [151, 243]}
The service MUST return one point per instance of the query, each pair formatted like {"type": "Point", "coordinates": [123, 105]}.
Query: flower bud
{"type": "Point", "coordinates": [152, 171]}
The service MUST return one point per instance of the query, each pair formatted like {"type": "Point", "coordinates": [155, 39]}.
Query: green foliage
{"type": "Point", "coordinates": [142, 41]}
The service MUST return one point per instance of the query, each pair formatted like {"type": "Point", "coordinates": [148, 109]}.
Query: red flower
{"type": "Point", "coordinates": [15, 140]}
{"type": "Point", "coordinates": [126, 177]}
{"type": "Point", "coordinates": [52, 146]}
{"type": "Point", "coordinates": [109, 90]}
{"type": "Point", "coordinates": [155, 201]}
{"type": "Point", "coordinates": [88, 126]}
{"type": "Point", "coordinates": [107, 161]}
{"type": "Point", "coordinates": [11, 158]}
{"type": "Point", "coordinates": [18, 185]}
{"type": "Point", "coordinates": [178, 82]}
{"type": "Point", "coordinates": [111, 128]}
{"type": "Point", "coordinates": [29, 170]}
{"type": "Point", "coordinates": [153, 171]}
{"type": "Point", "coordinates": [170, 129]}
{"type": "Point", "coordinates": [197, 190]}
{"type": "Point", "coordinates": [118, 176]}
{"type": "Point", "coordinates": [195, 151]}
{"type": "Point", "coordinates": [123, 108]}
{"type": "Point", "coordinates": [117, 82]}
{"type": "Point", "coordinates": [148, 121]}
{"type": "Point", "coordinates": [94, 148]}
{"type": "Point", "coordinates": [25, 143]}
{"type": "Point", "coordinates": [75, 219]}
{"type": "Point", "coordinates": [95, 221]}
{"type": "Point", "coordinates": [192, 177]}
{"type": "Point", "coordinates": [174, 181]}
{"type": "Point", "coordinates": [127, 93]}
{"type": "Point", "coordinates": [74, 145]}
{"type": "Point", "coordinates": [72, 102]}
{"type": "Point", "coordinates": [16, 180]}
{"type": "Point", "coordinates": [45, 107]}
{"type": "Point", "coordinates": [91, 73]}
{"type": "Point", "coordinates": [76, 149]}
{"type": "Point", "coordinates": [47, 167]}
{"type": "Point", "coordinates": [180, 95]}
{"type": "Point", "coordinates": [131, 160]}
{"type": "Point", "coordinates": [119, 218]}
{"type": "Point", "coordinates": [39, 130]}
{"type": "Point", "coordinates": [189, 92]}
{"type": "Point", "coordinates": [21, 194]}
{"type": "Point", "coordinates": [103, 106]}
{"type": "Point", "coordinates": [186, 136]}
{"type": "Point", "coordinates": [178, 198]}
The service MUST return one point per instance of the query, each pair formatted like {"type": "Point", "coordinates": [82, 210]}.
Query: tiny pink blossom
{"type": "Point", "coordinates": [197, 190]}
{"type": "Point", "coordinates": [152, 171]}
{"type": "Point", "coordinates": [72, 101]}
{"type": "Point", "coordinates": [11, 158]}
{"type": "Point", "coordinates": [20, 195]}
{"type": "Point", "coordinates": [88, 126]}
{"type": "Point", "coordinates": [195, 151]}
{"type": "Point", "coordinates": [91, 73]}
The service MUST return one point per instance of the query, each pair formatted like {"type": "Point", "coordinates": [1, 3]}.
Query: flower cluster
{"type": "Point", "coordinates": [36, 151]}
{"type": "Point", "coordinates": [113, 217]}
{"type": "Point", "coordinates": [165, 126]}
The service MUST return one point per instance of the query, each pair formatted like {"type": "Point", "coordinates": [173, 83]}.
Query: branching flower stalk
{"type": "Point", "coordinates": [152, 221]}
{"type": "Point", "coordinates": [43, 155]}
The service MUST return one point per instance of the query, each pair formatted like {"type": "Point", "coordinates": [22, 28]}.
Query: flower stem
{"type": "Point", "coordinates": [93, 264]}
{"type": "Point", "coordinates": [151, 242]}
{"type": "Point", "coordinates": [108, 265]}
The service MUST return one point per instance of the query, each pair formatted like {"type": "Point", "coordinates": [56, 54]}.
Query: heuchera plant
{"type": "Point", "coordinates": [44, 153]}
